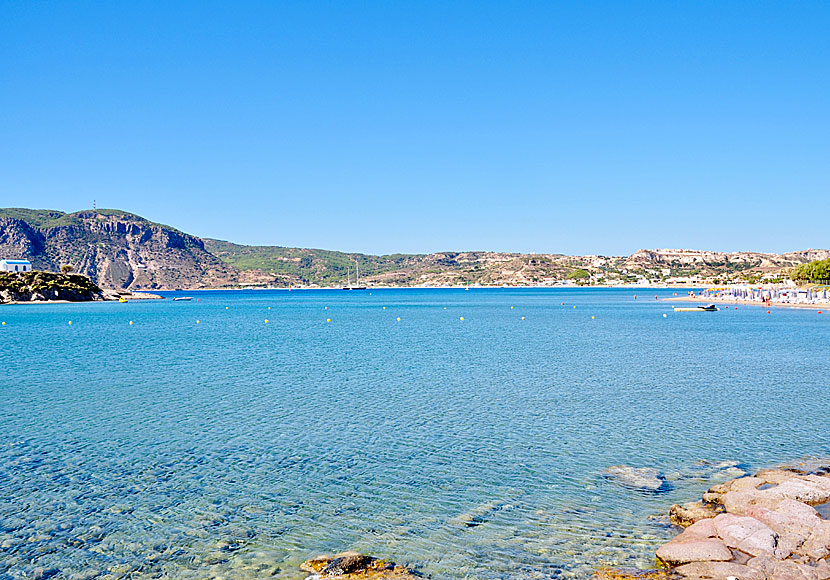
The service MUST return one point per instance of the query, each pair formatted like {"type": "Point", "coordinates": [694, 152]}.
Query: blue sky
{"type": "Point", "coordinates": [581, 127]}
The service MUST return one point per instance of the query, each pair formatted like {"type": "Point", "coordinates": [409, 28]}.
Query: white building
{"type": "Point", "coordinates": [15, 266]}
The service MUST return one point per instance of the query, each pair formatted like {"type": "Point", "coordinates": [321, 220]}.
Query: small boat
{"type": "Point", "coordinates": [182, 298]}
{"type": "Point", "coordinates": [122, 299]}
{"type": "Point", "coordinates": [707, 308]}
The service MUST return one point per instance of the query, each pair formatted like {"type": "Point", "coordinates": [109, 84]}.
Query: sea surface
{"type": "Point", "coordinates": [201, 441]}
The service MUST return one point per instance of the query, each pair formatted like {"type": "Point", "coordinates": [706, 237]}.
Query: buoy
{"type": "Point", "coordinates": [635, 297]}
{"type": "Point", "coordinates": [767, 311]}
{"type": "Point", "coordinates": [384, 307]}
{"type": "Point", "coordinates": [523, 317]}
{"type": "Point", "coordinates": [266, 321]}
{"type": "Point", "coordinates": [818, 312]}
{"type": "Point", "coordinates": [197, 322]}
{"type": "Point", "coordinates": [511, 308]}
{"type": "Point", "coordinates": [131, 322]}
{"type": "Point", "coordinates": [399, 318]}
{"type": "Point", "coordinates": [325, 307]}
{"type": "Point", "coordinates": [574, 305]}
{"type": "Point", "coordinates": [461, 319]}
{"type": "Point", "coordinates": [226, 307]}
{"type": "Point", "coordinates": [4, 324]}
{"type": "Point", "coordinates": [664, 316]}
{"type": "Point", "coordinates": [563, 304]}
{"type": "Point", "coordinates": [70, 323]}
{"type": "Point", "coordinates": [328, 319]}
{"type": "Point", "coordinates": [269, 308]}
{"type": "Point", "coordinates": [593, 317]}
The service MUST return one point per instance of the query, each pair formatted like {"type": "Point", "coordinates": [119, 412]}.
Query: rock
{"type": "Point", "coordinates": [637, 478]}
{"type": "Point", "coordinates": [698, 531]}
{"type": "Point", "coordinates": [689, 513]}
{"type": "Point", "coordinates": [354, 565]}
{"type": "Point", "coordinates": [347, 564]}
{"type": "Point", "coordinates": [697, 550]}
{"type": "Point", "coordinates": [775, 476]}
{"type": "Point", "coordinates": [746, 534]}
{"type": "Point", "coordinates": [719, 571]}
{"type": "Point", "coordinates": [817, 544]}
{"type": "Point", "coordinates": [626, 574]}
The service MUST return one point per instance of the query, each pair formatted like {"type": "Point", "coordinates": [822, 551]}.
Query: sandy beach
{"type": "Point", "coordinates": [711, 300]}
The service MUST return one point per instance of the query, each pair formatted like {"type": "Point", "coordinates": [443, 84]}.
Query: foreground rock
{"type": "Point", "coordinates": [755, 528]}
{"type": "Point", "coordinates": [353, 565]}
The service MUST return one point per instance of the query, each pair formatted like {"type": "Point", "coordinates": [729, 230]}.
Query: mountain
{"type": "Point", "coordinates": [117, 249]}
{"type": "Point", "coordinates": [114, 248]}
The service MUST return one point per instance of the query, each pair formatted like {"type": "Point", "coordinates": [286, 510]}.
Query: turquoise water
{"type": "Point", "coordinates": [235, 449]}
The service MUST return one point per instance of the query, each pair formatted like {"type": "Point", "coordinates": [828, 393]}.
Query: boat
{"type": "Point", "coordinates": [701, 308]}
{"type": "Point", "coordinates": [349, 285]}
{"type": "Point", "coordinates": [182, 298]}
{"type": "Point", "coordinates": [122, 299]}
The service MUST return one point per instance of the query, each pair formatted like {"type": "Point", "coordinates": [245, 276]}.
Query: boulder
{"type": "Point", "coordinates": [677, 552]}
{"type": "Point", "coordinates": [720, 571]}
{"type": "Point", "coordinates": [746, 534]}
{"type": "Point", "coordinates": [637, 478]}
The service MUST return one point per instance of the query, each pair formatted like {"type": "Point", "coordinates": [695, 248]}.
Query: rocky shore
{"type": "Point", "coordinates": [770, 526]}
{"type": "Point", "coordinates": [51, 287]}
{"type": "Point", "coordinates": [35, 286]}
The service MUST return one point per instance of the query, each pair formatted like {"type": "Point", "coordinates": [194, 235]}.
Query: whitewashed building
{"type": "Point", "coordinates": [15, 266]}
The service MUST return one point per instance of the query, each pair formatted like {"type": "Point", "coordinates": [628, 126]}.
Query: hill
{"type": "Point", "coordinates": [117, 249]}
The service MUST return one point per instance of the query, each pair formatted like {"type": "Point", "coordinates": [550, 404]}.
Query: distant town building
{"type": "Point", "coordinates": [15, 266]}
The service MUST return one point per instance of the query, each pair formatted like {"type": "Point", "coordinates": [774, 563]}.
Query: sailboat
{"type": "Point", "coordinates": [357, 285]}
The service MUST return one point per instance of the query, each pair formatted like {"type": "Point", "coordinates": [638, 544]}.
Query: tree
{"type": "Point", "coordinates": [812, 271]}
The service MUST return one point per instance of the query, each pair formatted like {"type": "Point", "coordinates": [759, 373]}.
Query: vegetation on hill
{"type": "Point", "coordinates": [307, 266]}
{"type": "Point", "coordinates": [815, 271]}
{"type": "Point", "coordinates": [35, 285]}
{"type": "Point", "coordinates": [117, 249]}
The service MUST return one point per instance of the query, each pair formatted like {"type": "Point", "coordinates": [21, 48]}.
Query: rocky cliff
{"type": "Point", "coordinates": [115, 249]}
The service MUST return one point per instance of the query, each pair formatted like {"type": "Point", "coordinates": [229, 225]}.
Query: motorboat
{"type": "Point", "coordinates": [701, 308]}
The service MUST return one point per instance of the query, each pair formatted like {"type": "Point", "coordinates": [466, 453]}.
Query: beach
{"type": "Point", "coordinates": [743, 302]}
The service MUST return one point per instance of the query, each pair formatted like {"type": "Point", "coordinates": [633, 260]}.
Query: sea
{"type": "Point", "coordinates": [462, 433]}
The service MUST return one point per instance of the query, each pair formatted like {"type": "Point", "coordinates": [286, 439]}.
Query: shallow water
{"type": "Point", "coordinates": [233, 448]}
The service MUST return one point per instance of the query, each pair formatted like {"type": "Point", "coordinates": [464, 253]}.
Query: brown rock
{"type": "Point", "coordinates": [626, 574]}
{"type": "Point", "coordinates": [689, 513]}
{"type": "Point", "coordinates": [351, 565]}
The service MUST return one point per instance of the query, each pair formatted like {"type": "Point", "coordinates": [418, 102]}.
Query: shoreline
{"type": "Point", "coordinates": [711, 300]}
{"type": "Point", "coordinates": [770, 525]}
{"type": "Point", "coordinates": [111, 298]}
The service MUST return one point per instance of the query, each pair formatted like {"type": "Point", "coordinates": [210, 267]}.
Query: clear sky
{"type": "Point", "coordinates": [579, 127]}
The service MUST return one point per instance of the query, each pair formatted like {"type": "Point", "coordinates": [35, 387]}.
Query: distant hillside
{"type": "Point", "coordinates": [117, 249]}
{"type": "Point", "coordinates": [114, 248]}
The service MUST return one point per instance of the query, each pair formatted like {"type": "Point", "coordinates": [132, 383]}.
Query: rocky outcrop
{"type": "Point", "coordinates": [755, 528]}
{"type": "Point", "coordinates": [351, 565]}
{"type": "Point", "coordinates": [43, 286]}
